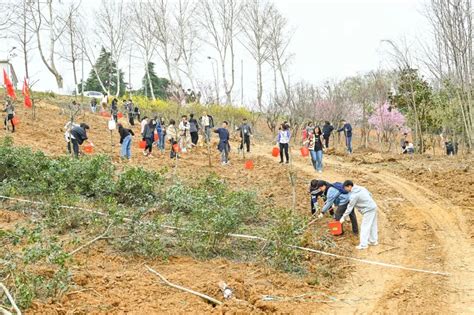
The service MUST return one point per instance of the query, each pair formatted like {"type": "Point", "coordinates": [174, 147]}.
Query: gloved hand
{"type": "Point", "coordinates": [320, 215]}
{"type": "Point", "coordinates": [342, 220]}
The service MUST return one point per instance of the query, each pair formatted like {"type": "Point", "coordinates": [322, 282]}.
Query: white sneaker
{"type": "Point", "coordinates": [374, 243]}
{"type": "Point", "coordinates": [320, 171]}
{"type": "Point", "coordinates": [361, 247]}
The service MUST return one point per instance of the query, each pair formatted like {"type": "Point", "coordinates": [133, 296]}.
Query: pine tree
{"type": "Point", "coordinates": [160, 85]}
{"type": "Point", "coordinates": [107, 70]}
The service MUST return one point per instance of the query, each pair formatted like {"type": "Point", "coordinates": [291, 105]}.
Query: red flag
{"type": "Point", "coordinates": [26, 94]}
{"type": "Point", "coordinates": [8, 85]}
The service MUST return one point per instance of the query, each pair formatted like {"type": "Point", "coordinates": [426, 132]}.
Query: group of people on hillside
{"type": "Point", "coordinates": [340, 200]}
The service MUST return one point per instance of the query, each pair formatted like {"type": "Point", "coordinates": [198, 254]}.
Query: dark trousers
{"type": "Point", "coordinates": [149, 144]}
{"type": "Point", "coordinates": [9, 118]}
{"type": "Point", "coordinates": [284, 149]}
{"type": "Point", "coordinates": [173, 154]}
{"type": "Point", "coordinates": [75, 147]}
{"type": "Point", "coordinates": [246, 141]}
{"type": "Point", "coordinates": [115, 117]}
{"type": "Point", "coordinates": [130, 119]}
{"type": "Point", "coordinates": [340, 211]}
{"type": "Point", "coordinates": [326, 140]}
{"type": "Point", "coordinates": [194, 137]}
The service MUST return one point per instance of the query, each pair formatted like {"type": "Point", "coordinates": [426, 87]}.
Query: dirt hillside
{"type": "Point", "coordinates": [426, 213]}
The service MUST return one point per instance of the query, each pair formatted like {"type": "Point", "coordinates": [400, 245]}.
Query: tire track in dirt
{"type": "Point", "coordinates": [407, 238]}
{"type": "Point", "coordinates": [447, 224]}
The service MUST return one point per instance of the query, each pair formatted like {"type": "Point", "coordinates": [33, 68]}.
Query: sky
{"type": "Point", "coordinates": [331, 39]}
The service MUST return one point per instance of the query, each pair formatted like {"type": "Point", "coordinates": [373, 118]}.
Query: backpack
{"type": "Point", "coordinates": [339, 187]}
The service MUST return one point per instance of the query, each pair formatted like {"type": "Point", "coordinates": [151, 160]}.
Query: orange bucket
{"type": "Point", "coordinates": [176, 148]}
{"type": "Point", "coordinates": [15, 121]}
{"type": "Point", "coordinates": [304, 151]}
{"type": "Point", "coordinates": [142, 144]}
{"type": "Point", "coordinates": [156, 137]}
{"type": "Point", "coordinates": [88, 148]}
{"type": "Point", "coordinates": [105, 114]}
{"type": "Point", "coordinates": [335, 227]}
{"type": "Point", "coordinates": [249, 165]}
{"type": "Point", "coordinates": [275, 151]}
{"type": "Point", "coordinates": [119, 115]}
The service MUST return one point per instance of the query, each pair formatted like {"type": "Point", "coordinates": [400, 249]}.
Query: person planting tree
{"type": "Point", "coordinates": [347, 129]}
{"type": "Point", "coordinates": [125, 142]}
{"type": "Point", "coordinates": [78, 135]}
{"type": "Point", "coordinates": [361, 199]}
{"type": "Point", "coordinates": [338, 196]}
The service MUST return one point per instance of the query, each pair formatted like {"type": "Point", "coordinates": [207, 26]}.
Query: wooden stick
{"type": "Point", "coordinates": [91, 241]}
{"type": "Point", "coordinates": [206, 297]}
{"type": "Point", "coordinates": [10, 298]}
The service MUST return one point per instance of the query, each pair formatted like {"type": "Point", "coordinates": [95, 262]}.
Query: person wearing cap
{"type": "Point", "coordinates": [338, 196]}
{"type": "Point", "coordinates": [361, 198]}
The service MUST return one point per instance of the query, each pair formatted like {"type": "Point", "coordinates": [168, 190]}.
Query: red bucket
{"type": "Point", "coordinates": [156, 137]}
{"type": "Point", "coordinates": [249, 165]}
{"type": "Point", "coordinates": [335, 227]}
{"type": "Point", "coordinates": [15, 121]}
{"type": "Point", "coordinates": [304, 151]}
{"type": "Point", "coordinates": [119, 115]}
{"type": "Point", "coordinates": [275, 152]}
{"type": "Point", "coordinates": [142, 144]}
{"type": "Point", "coordinates": [88, 148]}
{"type": "Point", "coordinates": [176, 148]}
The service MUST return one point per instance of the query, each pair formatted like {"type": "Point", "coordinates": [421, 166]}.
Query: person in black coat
{"type": "Point", "coordinates": [78, 136]}
{"type": "Point", "coordinates": [327, 130]}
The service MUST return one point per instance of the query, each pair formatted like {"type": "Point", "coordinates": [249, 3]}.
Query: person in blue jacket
{"type": "Point", "coordinates": [338, 196]}
{"type": "Point", "coordinates": [224, 145]}
{"type": "Point", "coordinates": [347, 128]}
{"type": "Point", "coordinates": [161, 131]}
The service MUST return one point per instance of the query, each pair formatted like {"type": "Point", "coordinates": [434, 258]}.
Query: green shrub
{"type": "Point", "coordinates": [137, 186]}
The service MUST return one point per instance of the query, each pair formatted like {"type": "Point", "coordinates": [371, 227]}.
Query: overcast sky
{"type": "Point", "coordinates": [332, 39]}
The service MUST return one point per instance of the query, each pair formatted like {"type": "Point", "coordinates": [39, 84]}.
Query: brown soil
{"type": "Point", "coordinates": [425, 221]}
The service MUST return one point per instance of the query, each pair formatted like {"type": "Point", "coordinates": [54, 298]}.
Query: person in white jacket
{"type": "Point", "coordinates": [361, 199]}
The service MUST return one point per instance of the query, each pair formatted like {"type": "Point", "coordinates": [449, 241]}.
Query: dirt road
{"type": "Point", "coordinates": [417, 229]}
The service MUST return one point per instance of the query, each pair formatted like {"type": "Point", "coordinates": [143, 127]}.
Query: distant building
{"type": "Point", "coordinates": [8, 67]}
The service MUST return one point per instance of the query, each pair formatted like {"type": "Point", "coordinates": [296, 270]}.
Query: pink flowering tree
{"type": "Point", "coordinates": [387, 120]}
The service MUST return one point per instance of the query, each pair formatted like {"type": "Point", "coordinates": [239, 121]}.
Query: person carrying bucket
{"type": "Point", "coordinates": [315, 147]}
{"type": "Point", "coordinates": [224, 145]}
{"type": "Point", "coordinates": [338, 196]}
{"type": "Point", "coordinates": [361, 199]}
{"type": "Point", "coordinates": [283, 140]}
{"type": "Point", "coordinates": [125, 142]}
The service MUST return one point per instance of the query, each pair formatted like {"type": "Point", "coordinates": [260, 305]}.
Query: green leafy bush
{"type": "Point", "coordinates": [137, 186]}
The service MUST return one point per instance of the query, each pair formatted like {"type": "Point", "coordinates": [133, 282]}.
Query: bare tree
{"type": "Point", "coordinates": [279, 40]}
{"type": "Point", "coordinates": [48, 18]}
{"type": "Point", "coordinates": [113, 24]}
{"type": "Point", "coordinates": [143, 28]}
{"type": "Point", "coordinates": [186, 38]}
{"type": "Point", "coordinates": [219, 18]}
{"type": "Point", "coordinates": [254, 23]}
{"type": "Point", "coordinates": [21, 30]}
{"type": "Point", "coordinates": [452, 26]}
{"type": "Point", "coordinates": [71, 42]}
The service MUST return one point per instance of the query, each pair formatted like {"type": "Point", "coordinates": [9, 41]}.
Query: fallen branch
{"type": "Point", "coordinates": [91, 241]}
{"type": "Point", "coordinates": [10, 299]}
{"type": "Point", "coordinates": [206, 297]}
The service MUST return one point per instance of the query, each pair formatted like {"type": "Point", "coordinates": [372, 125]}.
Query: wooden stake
{"type": "Point", "coordinates": [206, 297]}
